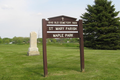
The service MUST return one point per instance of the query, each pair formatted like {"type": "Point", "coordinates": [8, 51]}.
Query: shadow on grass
{"type": "Point", "coordinates": [63, 68]}
{"type": "Point", "coordinates": [72, 48]}
{"type": "Point", "coordinates": [36, 70]}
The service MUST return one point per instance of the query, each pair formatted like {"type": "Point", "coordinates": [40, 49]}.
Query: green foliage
{"type": "Point", "coordinates": [62, 40]}
{"type": "Point", "coordinates": [39, 40]}
{"type": "Point", "coordinates": [21, 40]}
{"type": "Point", "coordinates": [18, 40]}
{"type": "Point", "coordinates": [63, 64]}
{"type": "Point", "coordinates": [67, 40]}
{"type": "Point", "coordinates": [26, 40]}
{"type": "Point", "coordinates": [6, 40]}
{"type": "Point", "coordinates": [64, 44]}
{"type": "Point", "coordinates": [1, 41]}
{"type": "Point", "coordinates": [54, 40]}
{"type": "Point", "coordinates": [101, 26]}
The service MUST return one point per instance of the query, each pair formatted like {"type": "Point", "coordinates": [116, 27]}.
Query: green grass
{"type": "Point", "coordinates": [63, 63]}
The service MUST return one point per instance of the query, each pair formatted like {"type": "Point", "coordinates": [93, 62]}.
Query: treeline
{"type": "Point", "coordinates": [62, 40]}
{"type": "Point", "coordinates": [15, 40]}
{"type": "Point", "coordinates": [26, 40]}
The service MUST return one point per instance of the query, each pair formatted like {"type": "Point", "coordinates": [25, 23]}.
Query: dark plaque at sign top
{"type": "Point", "coordinates": [63, 20]}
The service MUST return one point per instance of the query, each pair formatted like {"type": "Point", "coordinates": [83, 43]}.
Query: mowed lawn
{"type": "Point", "coordinates": [63, 64]}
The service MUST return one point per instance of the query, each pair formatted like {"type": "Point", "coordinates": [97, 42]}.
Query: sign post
{"type": "Point", "coordinates": [62, 27]}
{"type": "Point", "coordinates": [44, 47]}
{"type": "Point", "coordinates": [81, 42]}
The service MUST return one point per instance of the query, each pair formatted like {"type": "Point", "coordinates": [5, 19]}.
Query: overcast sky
{"type": "Point", "coordinates": [20, 17]}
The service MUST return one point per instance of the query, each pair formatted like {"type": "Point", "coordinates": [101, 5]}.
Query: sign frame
{"type": "Point", "coordinates": [62, 19]}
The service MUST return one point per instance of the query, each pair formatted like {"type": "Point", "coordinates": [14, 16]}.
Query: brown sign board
{"type": "Point", "coordinates": [62, 22]}
{"type": "Point", "coordinates": [62, 27]}
{"type": "Point", "coordinates": [62, 35]}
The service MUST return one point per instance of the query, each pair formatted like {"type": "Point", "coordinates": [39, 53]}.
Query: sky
{"type": "Point", "coordinates": [20, 17]}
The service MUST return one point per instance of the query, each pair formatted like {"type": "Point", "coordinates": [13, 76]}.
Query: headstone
{"type": "Point", "coordinates": [33, 50]}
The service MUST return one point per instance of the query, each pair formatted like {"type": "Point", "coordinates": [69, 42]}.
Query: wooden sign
{"type": "Point", "coordinates": [62, 27]}
{"type": "Point", "coordinates": [62, 22]}
{"type": "Point", "coordinates": [62, 35]}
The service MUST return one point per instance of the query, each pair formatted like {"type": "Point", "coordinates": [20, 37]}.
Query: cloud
{"type": "Point", "coordinates": [5, 6]}
{"type": "Point", "coordinates": [39, 14]}
{"type": "Point", "coordinates": [16, 20]}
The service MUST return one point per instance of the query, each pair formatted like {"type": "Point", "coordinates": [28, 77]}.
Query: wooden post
{"type": "Point", "coordinates": [80, 31]}
{"type": "Point", "coordinates": [44, 33]}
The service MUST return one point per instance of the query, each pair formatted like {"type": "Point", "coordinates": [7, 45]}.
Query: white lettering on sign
{"type": "Point", "coordinates": [62, 22]}
{"type": "Point", "coordinates": [58, 35]}
{"type": "Point", "coordinates": [68, 22]}
{"type": "Point", "coordinates": [59, 28]}
{"type": "Point", "coordinates": [50, 28]}
{"type": "Point", "coordinates": [50, 22]}
{"type": "Point", "coordinates": [74, 22]}
{"type": "Point", "coordinates": [63, 28]}
{"type": "Point", "coordinates": [71, 28]}
{"type": "Point", "coordinates": [56, 22]}
{"type": "Point", "coordinates": [62, 35]}
{"type": "Point", "coordinates": [62, 18]}
{"type": "Point", "coordinates": [68, 35]}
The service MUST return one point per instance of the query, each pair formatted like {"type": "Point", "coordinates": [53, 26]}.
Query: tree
{"type": "Point", "coordinates": [18, 40]}
{"type": "Point", "coordinates": [1, 41]}
{"type": "Point", "coordinates": [26, 40]}
{"type": "Point", "coordinates": [39, 40]}
{"type": "Point", "coordinates": [101, 26]}
{"type": "Point", "coordinates": [6, 40]}
{"type": "Point", "coordinates": [53, 40]}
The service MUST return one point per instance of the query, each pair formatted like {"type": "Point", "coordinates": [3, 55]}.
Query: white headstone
{"type": "Point", "coordinates": [33, 50]}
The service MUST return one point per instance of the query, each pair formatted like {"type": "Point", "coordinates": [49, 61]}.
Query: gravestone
{"type": "Point", "coordinates": [33, 50]}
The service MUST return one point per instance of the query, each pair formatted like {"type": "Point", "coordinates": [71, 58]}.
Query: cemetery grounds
{"type": "Point", "coordinates": [63, 63]}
